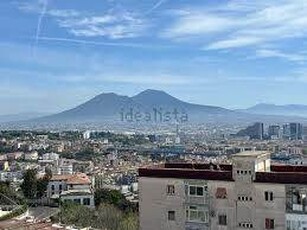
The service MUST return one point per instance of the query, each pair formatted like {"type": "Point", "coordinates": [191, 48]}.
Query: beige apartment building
{"type": "Point", "coordinates": [248, 194]}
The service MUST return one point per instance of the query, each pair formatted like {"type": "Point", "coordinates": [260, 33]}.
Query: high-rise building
{"type": "Point", "coordinates": [293, 131]}
{"type": "Point", "coordinates": [304, 135]}
{"type": "Point", "coordinates": [255, 131]}
{"type": "Point", "coordinates": [250, 193]}
{"type": "Point", "coordinates": [274, 131]}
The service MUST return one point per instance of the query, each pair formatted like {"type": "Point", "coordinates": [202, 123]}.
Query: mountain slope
{"type": "Point", "coordinates": [283, 110]}
{"type": "Point", "coordinates": [151, 106]}
{"type": "Point", "coordinates": [113, 107]}
{"type": "Point", "coordinates": [20, 117]}
{"type": "Point", "coordinates": [101, 107]}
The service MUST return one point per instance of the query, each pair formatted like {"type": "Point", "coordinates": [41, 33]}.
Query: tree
{"type": "Point", "coordinates": [114, 197]}
{"type": "Point", "coordinates": [130, 222]}
{"type": "Point", "coordinates": [42, 183]}
{"type": "Point", "coordinates": [29, 184]}
{"type": "Point", "coordinates": [106, 216]}
{"type": "Point", "coordinates": [32, 187]}
{"type": "Point", "coordinates": [8, 195]}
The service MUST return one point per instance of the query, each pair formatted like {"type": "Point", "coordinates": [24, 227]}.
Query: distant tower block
{"type": "Point", "coordinates": [87, 135]}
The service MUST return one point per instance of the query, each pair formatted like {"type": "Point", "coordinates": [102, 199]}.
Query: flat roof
{"type": "Point", "coordinates": [253, 154]}
{"type": "Point", "coordinates": [280, 174]}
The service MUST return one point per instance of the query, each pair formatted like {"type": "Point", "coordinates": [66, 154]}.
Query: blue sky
{"type": "Point", "coordinates": [56, 54]}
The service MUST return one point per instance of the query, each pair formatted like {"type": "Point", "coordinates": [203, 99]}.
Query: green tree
{"type": "Point", "coordinates": [114, 197]}
{"type": "Point", "coordinates": [8, 195]}
{"type": "Point", "coordinates": [130, 222]}
{"type": "Point", "coordinates": [29, 184]}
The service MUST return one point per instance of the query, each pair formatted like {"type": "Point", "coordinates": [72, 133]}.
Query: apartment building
{"type": "Point", "coordinates": [250, 193]}
{"type": "Point", "coordinates": [75, 187]}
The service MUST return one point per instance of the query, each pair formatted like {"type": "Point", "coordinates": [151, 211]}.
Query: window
{"type": "Point", "coordinates": [222, 220]}
{"type": "Point", "coordinates": [196, 190]}
{"type": "Point", "coordinates": [268, 196]}
{"type": "Point", "coordinates": [60, 187]}
{"type": "Point", "coordinates": [171, 215]}
{"type": "Point", "coordinates": [77, 201]}
{"type": "Point", "coordinates": [197, 214]}
{"type": "Point", "coordinates": [245, 198]}
{"type": "Point", "coordinates": [199, 191]}
{"type": "Point", "coordinates": [170, 190]}
{"type": "Point", "coordinates": [52, 187]}
{"type": "Point", "coordinates": [246, 225]}
{"type": "Point", "coordinates": [269, 223]}
{"type": "Point", "coordinates": [86, 201]}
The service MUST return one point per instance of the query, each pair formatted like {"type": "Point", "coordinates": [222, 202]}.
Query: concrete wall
{"type": "Point", "coordinates": [155, 204]}
{"type": "Point", "coordinates": [222, 206]}
{"type": "Point", "coordinates": [56, 185]}
{"type": "Point", "coordinates": [271, 209]}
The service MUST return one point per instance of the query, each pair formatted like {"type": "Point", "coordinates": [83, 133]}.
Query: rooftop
{"type": "Point", "coordinates": [79, 178]}
{"type": "Point", "coordinates": [282, 174]}
{"type": "Point", "coordinates": [252, 154]}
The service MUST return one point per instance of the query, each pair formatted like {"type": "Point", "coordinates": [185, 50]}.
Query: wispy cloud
{"type": "Point", "coordinates": [150, 79]}
{"type": "Point", "coordinates": [242, 24]}
{"type": "Point", "coordinates": [113, 24]}
{"type": "Point", "coordinates": [268, 53]}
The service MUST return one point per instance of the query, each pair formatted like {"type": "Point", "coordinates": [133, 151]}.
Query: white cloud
{"type": "Point", "coordinates": [152, 79]}
{"type": "Point", "coordinates": [268, 53]}
{"type": "Point", "coordinates": [113, 24]}
{"type": "Point", "coordinates": [234, 43]}
{"type": "Point", "coordinates": [242, 23]}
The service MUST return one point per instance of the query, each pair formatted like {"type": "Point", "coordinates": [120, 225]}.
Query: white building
{"type": "Point", "coordinates": [32, 156]}
{"type": "Point", "coordinates": [51, 156]}
{"type": "Point", "coordinates": [87, 135]}
{"type": "Point", "coordinates": [76, 188]}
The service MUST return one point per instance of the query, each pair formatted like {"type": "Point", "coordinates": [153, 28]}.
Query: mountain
{"type": "Point", "coordinates": [149, 106]}
{"type": "Point", "coordinates": [20, 117]}
{"type": "Point", "coordinates": [102, 107]}
{"type": "Point", "coordinates": [280, 110]}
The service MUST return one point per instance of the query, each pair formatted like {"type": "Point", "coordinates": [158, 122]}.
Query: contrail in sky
{"type": "Point", "coordinates": [40, 19]}
{"type": "Point", "coordinates": [87, 42]}
{"type": "Point", "coordinates": [157, 5]}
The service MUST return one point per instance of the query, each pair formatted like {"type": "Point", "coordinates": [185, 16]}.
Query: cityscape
{"type": "Point", "coordinates": [153, 115]}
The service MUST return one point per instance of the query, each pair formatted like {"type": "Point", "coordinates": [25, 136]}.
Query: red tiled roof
{"type": "Point", "coordinates": [79, 178]}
